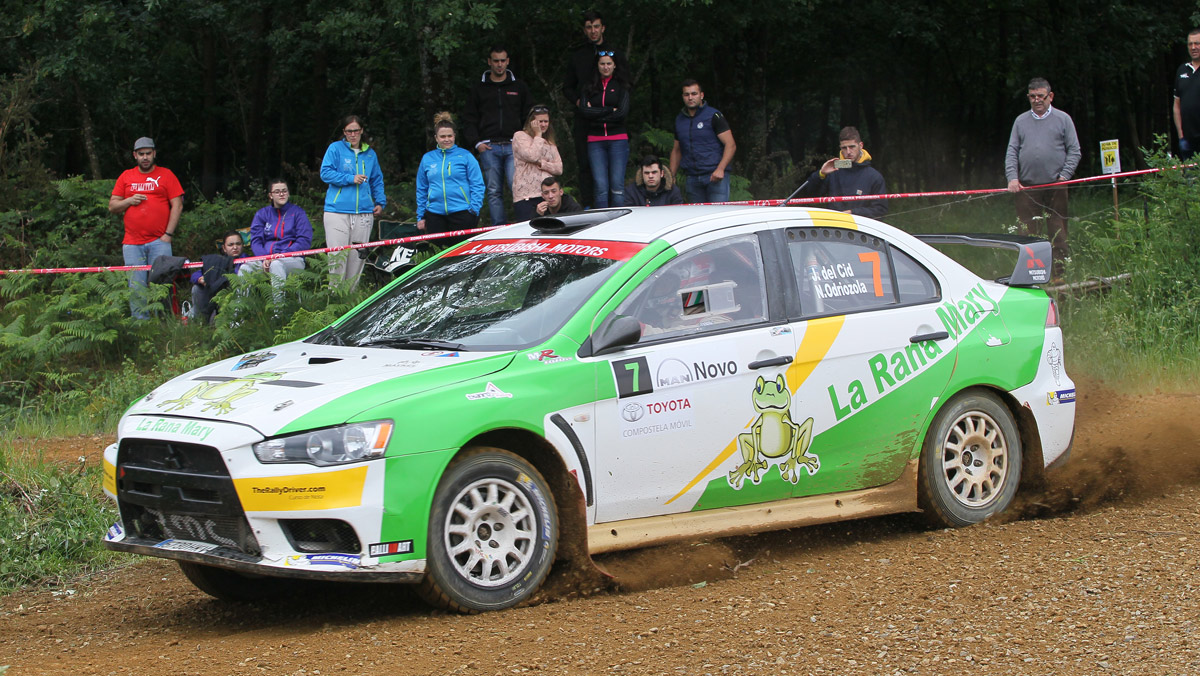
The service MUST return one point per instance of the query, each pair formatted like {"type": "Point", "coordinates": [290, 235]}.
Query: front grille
{"type": "Point", "coordinates": [321, 535]}
{"type": "Point", "coordinates": [182, 491]}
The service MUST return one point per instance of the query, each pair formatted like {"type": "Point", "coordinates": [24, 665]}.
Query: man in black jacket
{"type": "Point", "coordinates": [496, 109]}
{"type": "Point", "coordinates": [849, 174]}
{"type": "Point", "coordinates": [652, 187]}
{"type": "Point", "coordinates": [581, 69]}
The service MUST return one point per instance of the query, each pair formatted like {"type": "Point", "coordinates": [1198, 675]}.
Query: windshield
{"type": "Point", "coordinates": [492, 295]}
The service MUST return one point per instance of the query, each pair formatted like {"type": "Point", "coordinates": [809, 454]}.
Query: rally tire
{"type": "Point", "coordinates": [970, 464]}
{"type": "Point", "coordinates": [493, 533]}
{"type": "Point", "coordinates": [229, 585]}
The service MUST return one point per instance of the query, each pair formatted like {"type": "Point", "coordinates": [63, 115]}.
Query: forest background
{"type": "Point", "coordinates": [236, 93]}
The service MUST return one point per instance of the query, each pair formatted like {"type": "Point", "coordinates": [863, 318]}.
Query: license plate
{"type": "Point", "coordinates": [186, 546]}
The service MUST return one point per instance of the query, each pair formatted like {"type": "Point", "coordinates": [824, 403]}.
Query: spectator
{"type": "Point", "coordinates": [350, 206]}
{"type": "Point", "coordinates": [1186, 110]}
{"type": "Point", "coordinates": [605, 106]}
{"type": "Point", "coordinates": [580, 68]}
{"type": "Point", "coordinates": [150, 199]}
{"type": "Point", "coordinates": [1043, 148]}
{"type": "Point", "coordinates": [278, 228]}
{"type": "Point", "coordinates": [703, 148]}
{"type": "Point", "coordinates": [855, 176]}
{"type": "Point", "coordinates": [537, 158]}
{"type": "Point", "coordinates": [449, 183]}
{"type": "Point", "coordinates": [495, 107]}
{"type": "Point", "coordinates": [651, 186]}
{"type": "Point", "coordinates": [554, 200]}
{"type": "Point", "coordinates": [210, 278]}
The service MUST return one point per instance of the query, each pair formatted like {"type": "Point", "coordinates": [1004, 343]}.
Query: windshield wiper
{"type": "Point", "coordinates": [402, 343]}
{"type": "Point", "coordinates": [328, 337]}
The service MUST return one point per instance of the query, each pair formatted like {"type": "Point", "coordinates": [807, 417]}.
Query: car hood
{"type": "Point", "coordinates": [272, 390]}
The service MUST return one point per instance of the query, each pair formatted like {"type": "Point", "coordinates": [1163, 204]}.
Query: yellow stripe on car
{"type": "Point", "coordinates": [818, 338]}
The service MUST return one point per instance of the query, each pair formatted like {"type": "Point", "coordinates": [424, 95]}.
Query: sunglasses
{"type": "Point", "coordinates": [539, 109]}
{"type": "Point", "coordinates": [606, 53]}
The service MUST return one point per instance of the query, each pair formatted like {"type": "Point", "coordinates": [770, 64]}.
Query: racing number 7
{"type": "Point", "coordinates": [632, 376]}
{"type": "Point", "coordinates": [873, 258]}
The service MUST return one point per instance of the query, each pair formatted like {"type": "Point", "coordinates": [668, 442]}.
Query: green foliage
{"type": "Point", "coordinates": [52, 520]}
{"type": "Point", "coordinates": [1157, 312]}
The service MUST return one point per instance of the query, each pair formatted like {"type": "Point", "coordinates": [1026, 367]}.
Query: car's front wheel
{"type": "Point", "coordinates": [493, 533]}
{"type": "Point", "coordinates": [971, 461]}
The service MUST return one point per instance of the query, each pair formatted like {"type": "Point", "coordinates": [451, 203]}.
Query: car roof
{"type": "Point", "coordinates": [675, 223]}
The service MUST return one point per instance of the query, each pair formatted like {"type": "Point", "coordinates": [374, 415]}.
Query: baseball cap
{"type": "Point", "coordinates": [143, 142]}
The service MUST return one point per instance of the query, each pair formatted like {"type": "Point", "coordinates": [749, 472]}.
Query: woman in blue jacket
{"type": "Point", "coordinates": [278, 228]}
{"type": "Point", "coordinates": [355, 196]}
{"type": "Point", "coordinates": [449, 183]}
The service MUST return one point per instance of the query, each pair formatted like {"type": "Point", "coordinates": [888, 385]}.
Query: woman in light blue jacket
{"type": "Point", "coordinates": [355, 196]}
{"type": "Point", "coordinates": [449, 183]}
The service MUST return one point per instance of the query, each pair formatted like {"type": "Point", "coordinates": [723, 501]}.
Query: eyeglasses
{"type": "Point", "coordinates": [279, 192]}
{"type": "Point", "coordinates": [1038, 97]}
{"type": "Point", "coordinates": [353, 131]}
{"type": "Point", "coordinates": [606, 53]}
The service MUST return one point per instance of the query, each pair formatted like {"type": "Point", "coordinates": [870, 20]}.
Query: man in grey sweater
{"type": "Point", "coordinates": [1043, 148]}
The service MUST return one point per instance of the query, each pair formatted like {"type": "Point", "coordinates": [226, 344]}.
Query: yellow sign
{"type": "Point", "coordinates": [1110, 156]}
{"type": "Point", "coordinates": [324, 490]}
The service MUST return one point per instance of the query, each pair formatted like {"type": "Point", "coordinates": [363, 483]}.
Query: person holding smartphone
{"type": "Point", "coordinates": [850, 173]}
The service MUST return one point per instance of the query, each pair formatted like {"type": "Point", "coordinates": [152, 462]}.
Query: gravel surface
{"type": "Point", "coordinates": [1097, 574]}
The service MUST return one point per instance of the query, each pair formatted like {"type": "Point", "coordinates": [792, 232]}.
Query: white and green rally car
{"type": "Point", "coordinates": [601, 381]}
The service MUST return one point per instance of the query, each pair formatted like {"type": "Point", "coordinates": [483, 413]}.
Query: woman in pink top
{"type": "Point", "coordinates": [605, 105]}
{"type": "Point", "coordinates": [536, 158]}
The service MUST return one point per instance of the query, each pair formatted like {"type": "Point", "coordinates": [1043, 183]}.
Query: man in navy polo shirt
{"type": "Point", "coordinates": [1186, 110]}
{"type": "Point", "coordinates": [703, 147]}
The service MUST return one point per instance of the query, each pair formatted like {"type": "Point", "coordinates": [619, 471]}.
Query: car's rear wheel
{"type": "Point", "coordinates": [229, 585]}
{"type": "Point", "coordinates": [493, 533]}
{"type": "Point", "coordinates": [971, 461]}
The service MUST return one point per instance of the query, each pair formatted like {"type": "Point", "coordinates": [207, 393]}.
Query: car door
{"type": "Point", "coordinates": [879, 355]}
{"type": "Point", "coordinates": [684, 390]}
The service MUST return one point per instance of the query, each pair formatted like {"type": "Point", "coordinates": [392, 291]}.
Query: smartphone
{"type": "Point", "coordinates": [843, 164]}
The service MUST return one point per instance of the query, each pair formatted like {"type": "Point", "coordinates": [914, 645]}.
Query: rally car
{"type": "Point", "coordinates": [603, 381]}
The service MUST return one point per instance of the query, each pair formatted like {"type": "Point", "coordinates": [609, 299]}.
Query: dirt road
{"type": "Point", "coordinates": [1097, 575]}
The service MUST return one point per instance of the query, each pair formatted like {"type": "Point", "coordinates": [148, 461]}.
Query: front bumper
{"type": "Point", "coordinates": [217, 505]}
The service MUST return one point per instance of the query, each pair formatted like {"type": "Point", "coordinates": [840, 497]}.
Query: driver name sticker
{"type": "Point", "coordinates": [618, 251]}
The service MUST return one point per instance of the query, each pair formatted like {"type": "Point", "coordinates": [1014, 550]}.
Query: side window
{"type": "Point", "coordinates": [840, 271]}
{"type": "Point", "coordinates": [716, 286]}
{"type": "Point", "coordinates": [915, 283]}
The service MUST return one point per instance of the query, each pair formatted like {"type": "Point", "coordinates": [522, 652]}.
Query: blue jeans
{"type": "Point", "coordinates": [497, 167]}
{"type": "Point", "coordinates": [608, 160]}
{"type": "Point", "coordinates": [141, 254]}
{"type": "Point", "coordinates": [700, 189]}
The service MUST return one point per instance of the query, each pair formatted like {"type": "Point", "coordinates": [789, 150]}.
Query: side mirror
{"type": "Point", "coordinates": [614, 332]}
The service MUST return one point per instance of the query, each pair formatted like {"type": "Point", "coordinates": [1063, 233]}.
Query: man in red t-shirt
{"type": "Point", "coordinates": [151, 200]}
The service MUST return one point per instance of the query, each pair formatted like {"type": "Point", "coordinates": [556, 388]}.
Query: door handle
{"type": "Point", "coordinates": [936, 335]}
{"type": "Point", "coordinates": [777, 361]}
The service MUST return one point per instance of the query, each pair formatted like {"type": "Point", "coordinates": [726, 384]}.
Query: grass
{"type": "Point", "coordinates": [52, 519]}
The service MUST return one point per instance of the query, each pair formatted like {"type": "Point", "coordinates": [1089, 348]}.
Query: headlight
{"type": "Point", "coordinates": [333, 446]}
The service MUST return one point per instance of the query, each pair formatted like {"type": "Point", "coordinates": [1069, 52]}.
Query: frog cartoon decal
{"type": "Point", "coordinates": [219, 396]}
{"type": "Point", "coordinates": [774, 436]}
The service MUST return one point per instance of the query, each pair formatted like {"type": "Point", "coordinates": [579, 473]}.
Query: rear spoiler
{"type": "Point", "coordinates": [1033, 254]}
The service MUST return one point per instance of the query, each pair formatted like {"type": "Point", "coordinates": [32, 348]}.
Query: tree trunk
{"type": "Point", "coordinates": [89, 139]}
{"type": "Point", "coordinates": [209, 161]}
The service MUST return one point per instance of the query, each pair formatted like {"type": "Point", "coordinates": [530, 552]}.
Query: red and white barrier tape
{"type": "Point", "coordinates": [474, 231]}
